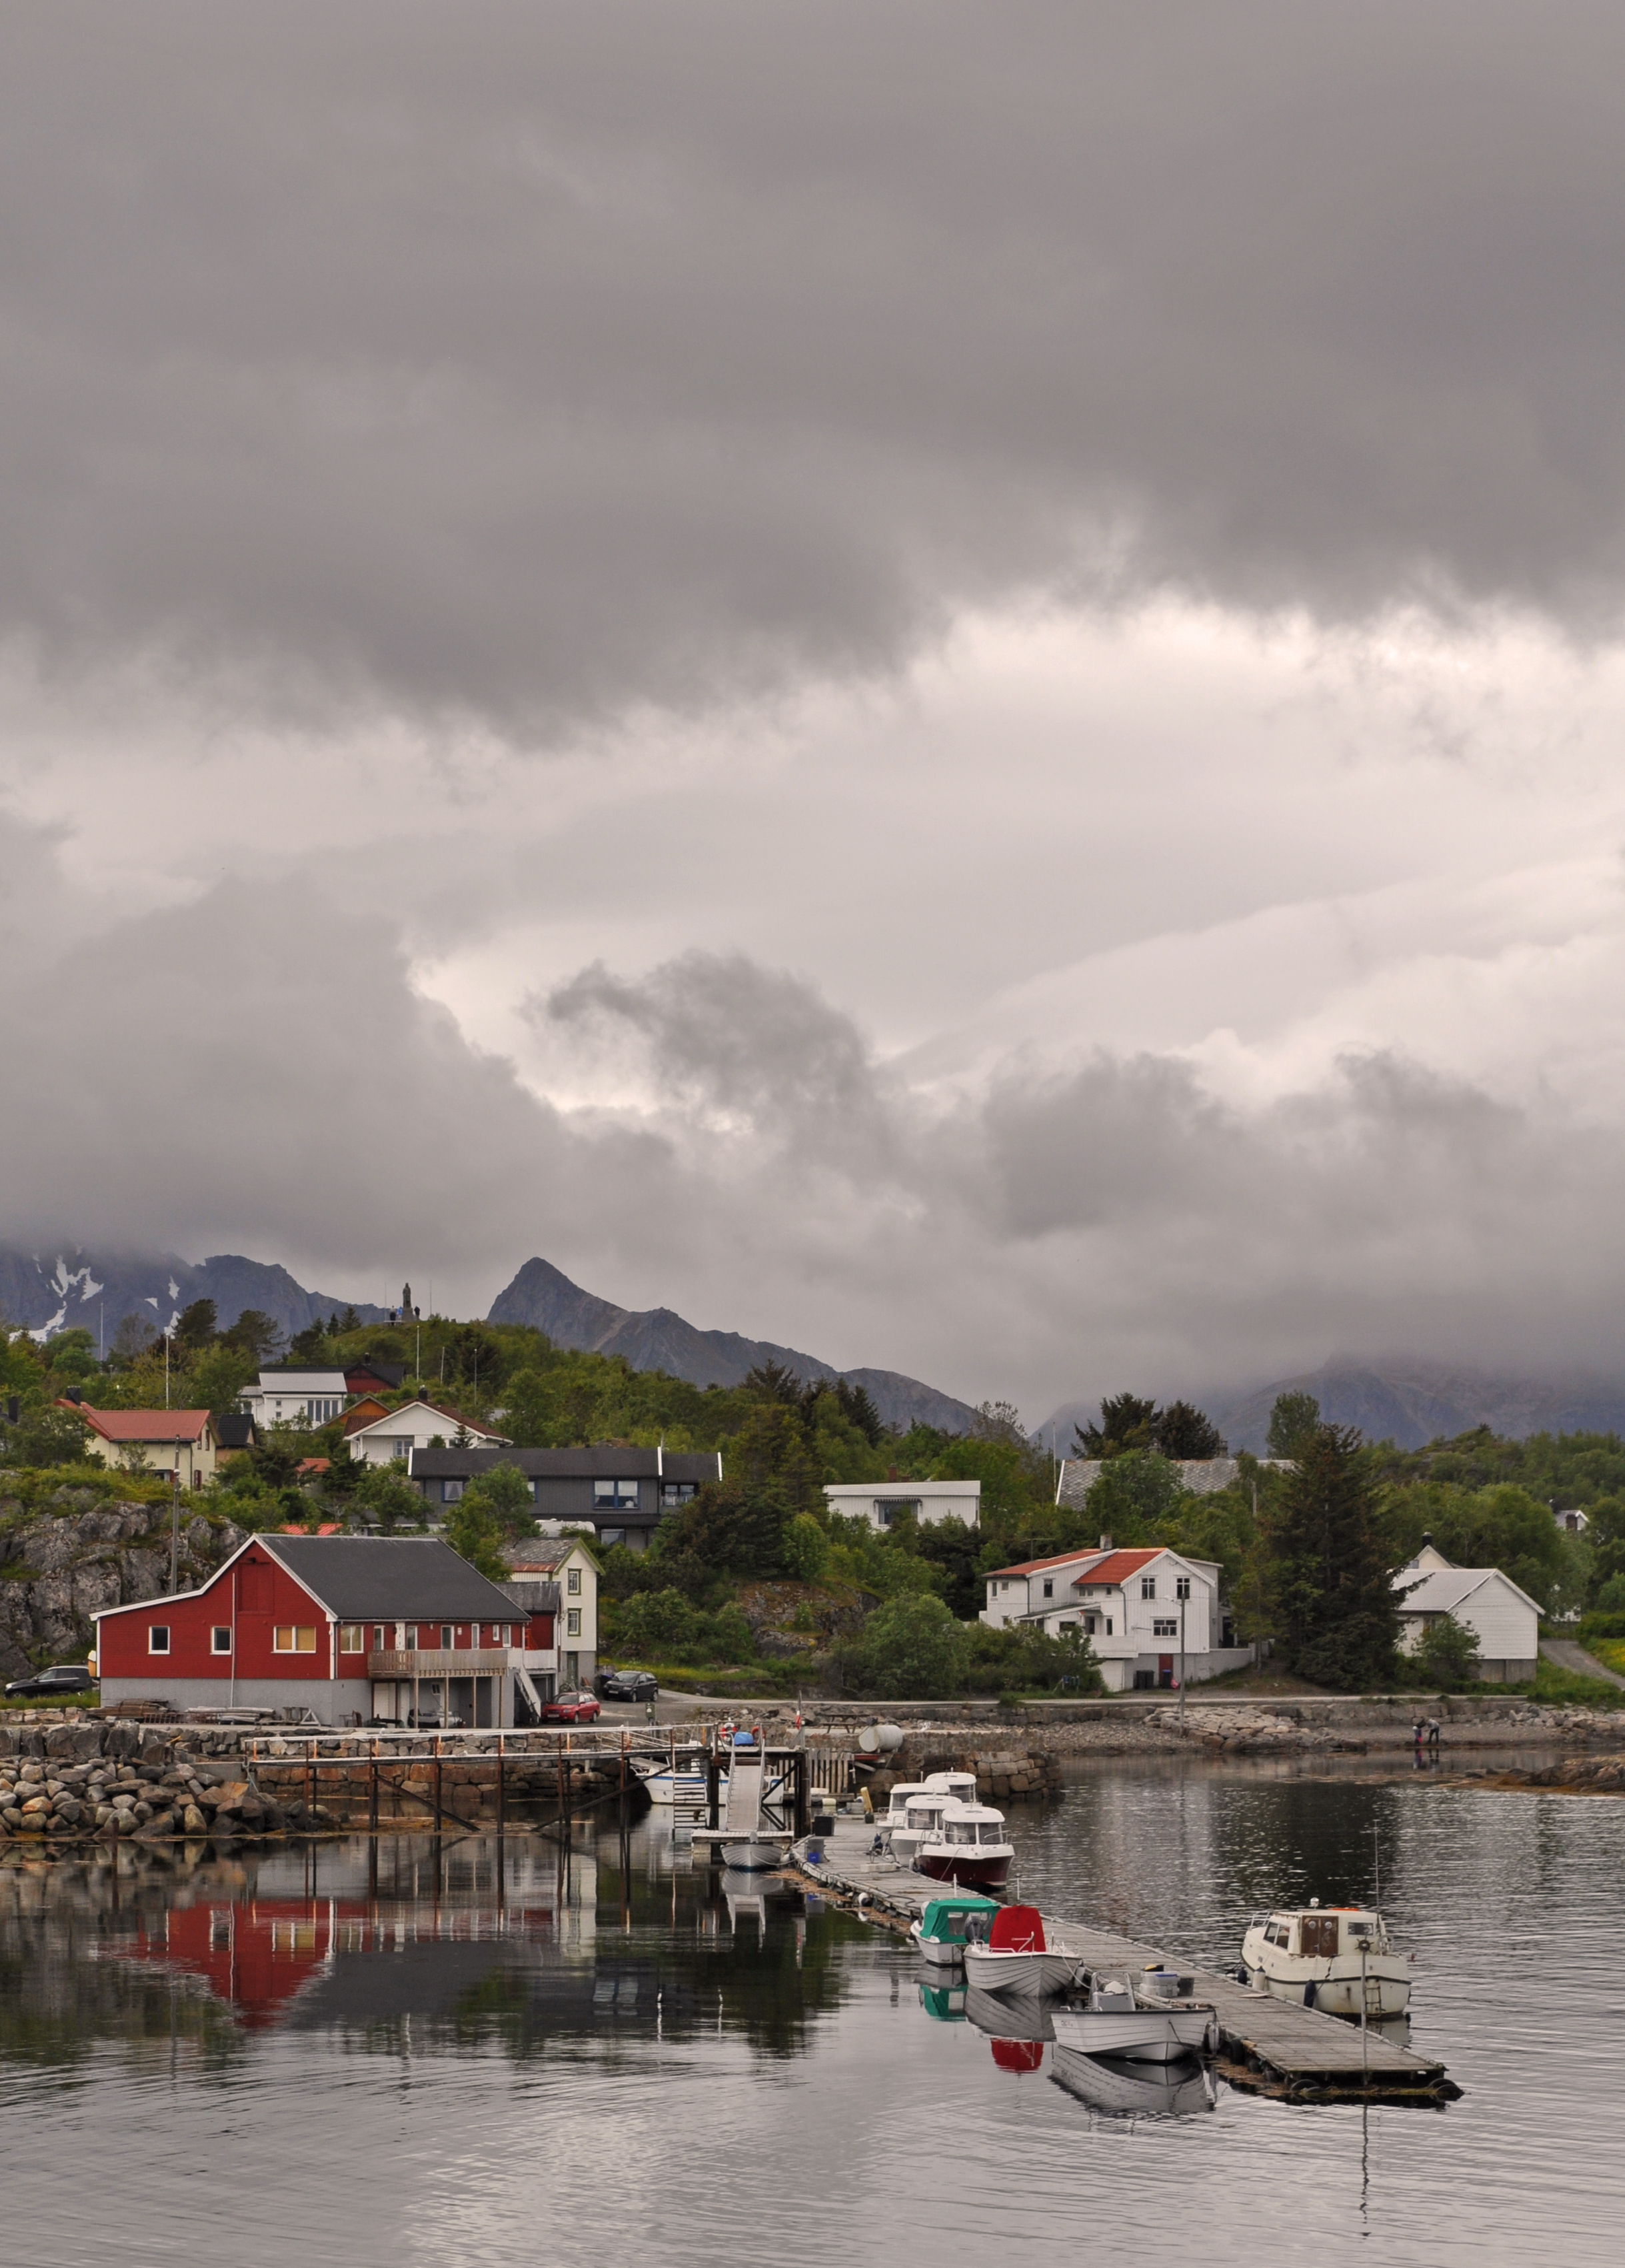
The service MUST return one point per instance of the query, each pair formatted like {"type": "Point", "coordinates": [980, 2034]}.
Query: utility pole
{"type": "Point", "coordinates": [174, 1521]}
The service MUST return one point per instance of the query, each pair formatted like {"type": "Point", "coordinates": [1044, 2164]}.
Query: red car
{"type": "Point", "coordinates": [579, 1708]}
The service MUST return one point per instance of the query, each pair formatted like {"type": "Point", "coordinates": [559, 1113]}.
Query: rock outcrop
{"type": "Point", "coordinates": [64, 1558]}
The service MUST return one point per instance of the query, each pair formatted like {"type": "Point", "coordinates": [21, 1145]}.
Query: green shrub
{"type": "Point", "coordinates": [1447, 1656]}
{"type": "Point", "coordinates": [910, 1649]}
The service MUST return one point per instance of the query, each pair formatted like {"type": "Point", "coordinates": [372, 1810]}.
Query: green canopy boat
{"type": "Point", "coordinates": [942, 1929]}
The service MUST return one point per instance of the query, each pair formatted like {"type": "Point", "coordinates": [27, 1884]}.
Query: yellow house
{"type": "Point", "coordinates": [159, 1443]}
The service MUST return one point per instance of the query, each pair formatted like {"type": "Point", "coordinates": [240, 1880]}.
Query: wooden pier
{"type": "Point", "coordinates": [1269, 2045]}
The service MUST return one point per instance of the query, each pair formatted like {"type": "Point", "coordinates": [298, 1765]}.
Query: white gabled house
{"type": "Point", "coordinates": [286, 1397]}
{"type": "Point", "coordinates": [1504, 1620]}
{"type": "Point", "coordinates": [1138, 1608]}
{"type": "Point", "coordinates": [395, 1437]}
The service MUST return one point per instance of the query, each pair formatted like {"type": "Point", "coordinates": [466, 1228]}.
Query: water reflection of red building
{"type": "Point", "coordinates": [257, 1954]}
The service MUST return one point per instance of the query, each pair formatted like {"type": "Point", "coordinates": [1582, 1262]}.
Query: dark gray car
{"type": "Point", "coordinates": [64, 1677]}
{"type": "Point", "coordinates": [627, 1685]}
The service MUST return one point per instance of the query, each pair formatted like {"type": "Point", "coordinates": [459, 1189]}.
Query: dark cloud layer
{"type": "Point", "coordinates": [535, 362]}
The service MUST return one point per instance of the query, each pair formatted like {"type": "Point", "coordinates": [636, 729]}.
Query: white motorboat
{"type": "Point", "coordinates": [968, 1846]}
{"type": "Point", "coordinates": [677, 1784]}
{"type": "Point", "coordinates": [943, 1930]}
{"type": "Point", "coordinates": [896, 1812]}
{"type": "Point", "coordinates": [924, 1816]}
{"type": "Point", "coordinates": [1016, 1958]}
{"type": "Point", "coordinates": [1334, 1958]}
{"type": "Point", "coordinates": [961, 1785]}
{"type": "Point", "coordinates": [1161, 2090]}
{"type": "Point", "coordinates": [1143, 2023]}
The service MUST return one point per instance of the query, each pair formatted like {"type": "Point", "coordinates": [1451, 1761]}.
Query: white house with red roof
{"type": "Point", "coordinates": [1142, 1611]}
{"type": "Point", "coordinates": [420, 1425]}
{"type": "Point", "coordinates": [159, 1443]}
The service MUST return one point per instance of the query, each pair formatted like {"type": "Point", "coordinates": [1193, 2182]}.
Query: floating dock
{"type": "Point", "coordinates": [1268, 2046]}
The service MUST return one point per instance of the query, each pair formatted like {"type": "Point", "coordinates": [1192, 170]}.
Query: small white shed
{"type": "Point", "coordinates": [1505, 1621]}
{"type": "Point", "coordinates": [882, 1502]}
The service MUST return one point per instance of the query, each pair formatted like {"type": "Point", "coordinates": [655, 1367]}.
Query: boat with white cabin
{"type": "Point", "coordinates": [969, 1846]}
{"type": "Point", "coordinates": [1337, 1959]}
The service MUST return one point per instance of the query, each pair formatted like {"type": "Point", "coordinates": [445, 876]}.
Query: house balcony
{"type": "Point", "coordinates": [444, 1661]}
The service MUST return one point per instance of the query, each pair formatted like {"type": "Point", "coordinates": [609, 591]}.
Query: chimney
{"type": "Point", "coordinates": [1106, 1543]}
{"type": "Point", "coordinates": [73, 1394]}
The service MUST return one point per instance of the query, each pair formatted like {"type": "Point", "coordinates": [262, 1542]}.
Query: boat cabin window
{"type": "Point", "coordinates": [1316, 1937]}
{"type": "Point", "coordinates": [959, 1830]}
{"type": "Point", "coordinates": [993, 1830]}
{"type": "Point", "coordinates": [1279, 1932]}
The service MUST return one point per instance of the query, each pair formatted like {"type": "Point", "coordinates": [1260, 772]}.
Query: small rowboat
{"type": "Point", "coordinates": [1016, 1958]}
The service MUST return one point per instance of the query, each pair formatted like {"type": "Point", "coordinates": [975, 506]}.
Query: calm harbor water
{"type": "Point", "coordinates": [409, 2055]}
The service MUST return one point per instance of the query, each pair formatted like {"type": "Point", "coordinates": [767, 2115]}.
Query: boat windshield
{"type": "Point", "coordinates": [959, 1830]}
{"type": "Point", "coordinates": [924, 1814]}
{"type": "Point", "coordinates": [992, 1830]}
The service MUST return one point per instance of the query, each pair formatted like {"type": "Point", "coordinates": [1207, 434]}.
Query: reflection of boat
{"type": "Point", "coordinates": [1017, 2055]}
{"type": "Point", "coordinates": [1166, 2090]}
{"type": "Point", "coordinates": [746, 1897]}
{"type": "Point", "coordinates": [943, 2002]}
{"type": "Point", "coordinates": [671, 1783]}
{"type": "Point", "coordinates": [1015, 1958]}
{"type": "Point", "coordinates": [1328, 1957]}
{"type": "Point", "coordinates": [968, 1846]}
{"type": "Point", "coordinates": [942, 1930]}
{"type": "Point", "coordinates": [1020, 2016]}
{"type": "Point", "coordinates": [1146, 2024]}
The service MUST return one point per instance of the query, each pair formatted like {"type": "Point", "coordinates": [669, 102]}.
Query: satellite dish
{"type": "Point", "coordinates": [869, 1740]}
{"type": "Point", "coordinates": [889, 1737]}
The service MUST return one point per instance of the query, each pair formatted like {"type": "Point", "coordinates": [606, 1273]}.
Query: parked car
{"type": "Point", "coordinates": [63, 1677]}
{"type": "Point", "coordinates": [431, 1720]}
{"type": "Point", "coordinates": [577, 1708]}
{"type": "Point", "coordinates": [627, 1685]}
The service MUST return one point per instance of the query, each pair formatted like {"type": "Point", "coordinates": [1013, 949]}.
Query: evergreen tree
{"type": "Point", "coordinates": [1292, 1419]}
{"type": "Point", "coordinates": [1126, 1423]}
{"type": "Point", "coordinates": [1329, 1576]}
{"type": "Point", "coordinates": [1184, 1432]}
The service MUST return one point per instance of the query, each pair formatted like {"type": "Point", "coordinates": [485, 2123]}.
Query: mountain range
{"type": "Point", "coordinates": [63, 1288]}
{"type": "Point", "coordinates": [1410, 1403]}
{"type": "Point", "coordinates": [658, 1338]}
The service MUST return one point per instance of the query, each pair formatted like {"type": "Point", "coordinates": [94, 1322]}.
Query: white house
{"type": "Point", "coordinates": [283, 1397]}
{"type": "Point", "coordinates": [1505, 1621]}
{"type": "Point", "coordinates": [881, 1502]}
{"type": "Point", "coordinates": [1140, 1610]}
{"type": "Point", "coordinates": [419, 1425]}
{"type": "Point", "coordinates": [568, 1561]}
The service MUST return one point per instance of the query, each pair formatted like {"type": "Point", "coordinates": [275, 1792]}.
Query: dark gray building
{"type": "Point", "coordinates": [622, 1493]}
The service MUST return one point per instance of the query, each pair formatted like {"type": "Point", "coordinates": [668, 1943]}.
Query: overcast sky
{"type": "Point", "coordinates": [942, 682]}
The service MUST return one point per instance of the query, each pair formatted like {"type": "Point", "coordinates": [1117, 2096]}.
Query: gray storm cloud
{"type": "Point", "coordinates": [256, 1071]}
{"type": "Point", "coordinates": [537, 363]}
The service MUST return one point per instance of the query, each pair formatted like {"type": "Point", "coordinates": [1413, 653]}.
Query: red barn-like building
{"type": "Point", "coordinates": [352, 1628]}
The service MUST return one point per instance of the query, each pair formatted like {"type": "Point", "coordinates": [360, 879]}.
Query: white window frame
{"type": "Point", "coordinates": [572, 1581]}
{"type": "Point", "coordinates": [1181, 1586]}
{"type": "Point", "coordinates": [294, 1631]}
{"type": "Point", "coordinates": [1148, 1587]}
{"type": "Point", "coordinates": [217, 1632]}
{"type": "Point", "coordinates": [157, 1630]}
{"type": "Point", "coordinates": [572, 1622]}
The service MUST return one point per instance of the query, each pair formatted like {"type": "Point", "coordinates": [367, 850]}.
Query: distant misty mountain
{"type": "Point", "coordinates": [1410, 1403]}
{"type": "Point", "coordinates": [61, 1288]}
{"type": "Point", "coordinates": [657, 1338]}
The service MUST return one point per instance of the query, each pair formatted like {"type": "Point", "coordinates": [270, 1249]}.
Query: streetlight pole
{"type": "Point", "coordinates": [1183, 1603]}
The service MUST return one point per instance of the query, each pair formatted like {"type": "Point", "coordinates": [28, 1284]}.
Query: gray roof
{"type": "Point", "coordinates": [1202, 1476]}
{"type": "Point", "coordinates": [235, 1430]}
{"type": "Point", "coordinates": [536, 1598]}
{"type": "Point", "coordinates": [391, 1578]}
{"type": "Point", "coordinates": [601, 1462]}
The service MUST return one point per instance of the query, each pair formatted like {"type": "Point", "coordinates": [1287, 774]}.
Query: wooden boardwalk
{"type": "Point", "coordinates": [1268, 2043]}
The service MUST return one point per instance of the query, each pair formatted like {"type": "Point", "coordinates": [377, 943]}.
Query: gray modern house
{"type": "Point", "coordinates": [622, 1493]}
